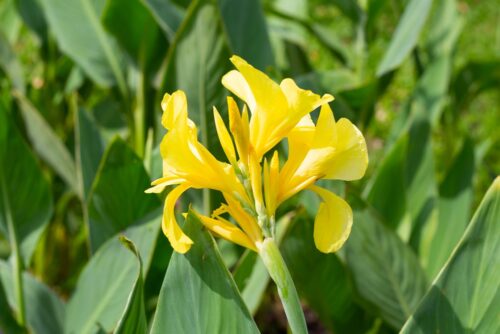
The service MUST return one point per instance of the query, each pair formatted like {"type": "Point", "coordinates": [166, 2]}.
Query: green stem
{"type": "Point", "coordinates": [271, 256]}
{"type": "Point", "coordinates": [139, 117]}
{"type": "Point", "coordinates": [18, 262]}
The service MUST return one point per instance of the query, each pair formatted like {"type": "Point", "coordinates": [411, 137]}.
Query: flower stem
{"type": "Point", "coordinates": [271, 256]}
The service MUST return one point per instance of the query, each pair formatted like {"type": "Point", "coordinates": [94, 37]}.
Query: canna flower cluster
{"type": "Point", "coordinates": [254, 182]}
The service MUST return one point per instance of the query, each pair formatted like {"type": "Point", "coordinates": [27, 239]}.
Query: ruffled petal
{"type": "Point", "coordinates": [180, 242]}
{"type": "Point", "coordinates": [333, 222]}
{"type": "Point", "coordinates": [351, 157]}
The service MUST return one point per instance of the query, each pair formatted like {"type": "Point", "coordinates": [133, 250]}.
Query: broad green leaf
{"type": "Point", "coordinates": [89, 148]}
{"type": "Point", "coordinates": [8, 323]}
{"type": "Point", "coordinates": [78, 31]}
{"type": "Point", "coordinates": [386, 272]}
{"type": "Point", "coordinates": [199, 295]}
{"type": "Point", "coordinates": [167, 15]}
{"type": "Point", "coordinates": [25, 197]}
{"type": "Point", "coordinates": [32, 15]}
{"type": "Point", "coordinates": [47, 144]}
{"type": "Point", "coordinates": [465, 297]}
{"type": "Point", "coordinates": [133, 320]}
{"type": "Point", "coordinates": [247, 31]}
{"type": "Point", "coordinates": [198, 58]}
{"type": "Point", "coordinates": [10, 64]}
{"type": "Point", "coordinates": [321, 279]}
{"type": "Point", "coordinates": [10, 23]}
{"type": "Point", "coordinates": [136, 31]}
{"type": "Point", "coordinates": [453, 210]}
{"type": "Point", "coordinates": [109, 283]}
{"type": "Point", "coordinates": [117, 199]}
{"type": "Point", "coordinates": [387, 188]}
{"type": "Point", "coordinates": [406, 35]}
{"type": "Point", "coordinates": [45, 311]}
{"type": "Point", "coordinates": [446, 23]}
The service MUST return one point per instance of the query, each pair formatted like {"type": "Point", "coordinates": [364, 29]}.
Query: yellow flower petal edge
{"type": "Point", "coordinates": [180, 242]}
{"type": "Point", "coordinates": [333, 222]}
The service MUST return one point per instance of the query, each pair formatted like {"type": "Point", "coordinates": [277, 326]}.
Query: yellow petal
{"type": "Point", "coordinates": [228, 231]}
{"type": "Point", "coordinates": [180, 242]}
{"type": "Point", "coordinates": [271, 183]}
{"type": "Point", "coordinates": [174, 107]}
{"type": "Point", "coordinates": [224, 138]}
{"type": "Point", "coordinates": [333, 222]}
{"type": "Point", "coordinates": [302, 99]}
{"type": "Point", "coordinates": [325, 133]}
{"type": "Point", "coordinates": [256, 181]}
{"type": "Point", "coordinates": [161, 183]}
{"type": "Point", "coordinates": [351, 159]}
{"type": "Point", "coordinates": [247, 222]}
{"type": "Point", "coordinates": [238, 124]}
{"type": "Point", "coordinates": [236, 83]}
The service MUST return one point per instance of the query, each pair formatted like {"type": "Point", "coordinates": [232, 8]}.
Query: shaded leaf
{"type": "Point", "coordinates": [45, 311]}
{"type": "Point", "coordinates": [247, 31]}
{"type": "Point", "coordinates": [167, 15]}
{"type": "Point", "coordinates": [322, 279]}
{"type": "Point", "coordinates": [77, 29]}
{"type": "Point", "coordinates": [386, 272]}
{"type": "Point", "coordinates": [47, 143]}
{"type": "Point", "coordinates": [25, 197]}
{"type": "Point", "coordinates": [406, 35]}
{"type": "Point", "coordinates": [117, 198]}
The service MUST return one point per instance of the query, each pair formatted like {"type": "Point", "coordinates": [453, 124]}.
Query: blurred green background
{"type": "Point", "coordinates": [80, 88]}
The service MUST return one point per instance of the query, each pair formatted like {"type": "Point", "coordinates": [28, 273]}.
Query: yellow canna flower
{"type": "Point", "coordinates": [253, 189]}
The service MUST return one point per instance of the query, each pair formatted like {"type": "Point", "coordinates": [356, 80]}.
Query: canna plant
{"type": "Point", "coordinates": [253, 186]}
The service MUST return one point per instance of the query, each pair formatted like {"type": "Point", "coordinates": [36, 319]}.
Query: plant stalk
{"type": "Point", "coordinates": [275, 264]}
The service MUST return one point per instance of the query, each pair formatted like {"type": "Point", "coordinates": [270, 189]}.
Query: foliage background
{"type": "Point", "coordinates": [80, 86]}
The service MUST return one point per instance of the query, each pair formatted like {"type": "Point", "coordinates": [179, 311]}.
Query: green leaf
{"type": "Point", "coordinates": [8, 323]}
{"type": "Point", "coordinates": [77, 29]}
{"type": "Point", "coordinates": [10, 64]}
{"type": "Point", "coordinates": [465, 297]}
{"type": "Point", "coordinates": [25, 197]}
{"type": "Point", "coordinates": [89, 150]}
{"type": "Point", "coordinates": [45, 311]}
{"type": "Point", "coordinates": [198, 293]}
{"type": "Point", "coordinates": [406, 35]}
{"type": "Point", "coordinates": [117, 199]}
{"type": "Point", "coordinates": [167, 15]}
{"type": "Point", "coordinates": [133, 320]}
{"type": "Point", "coordinates": [136, 31]}
{"type": "Point", "coordinates": [32, 15]}
{"type": "Point", "coordinates": [47, 144]}
{"type": "Point", "coordinates": [386, 272]}
{"type": "Point", "coordinates": [447, 24]}
{"type": "Point", "coordinates": [389, 182]}
{"type": "Point", "coordinates": [322, 279]}
{"type": "Point", "coordinates": [110, 284]}
{"type": "Point", "coordinates": [247, 31]}
{"type": "Point", "coordinates": [453, 207]}
{"type": "Point", "coordinates": [199, 73]}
